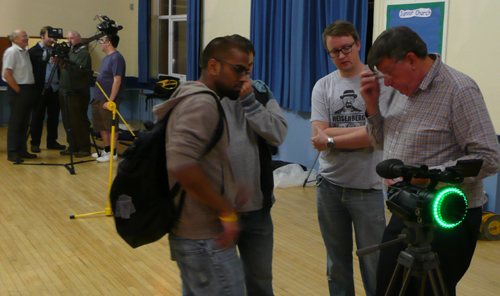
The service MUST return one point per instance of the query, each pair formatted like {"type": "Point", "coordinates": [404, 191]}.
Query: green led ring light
{"type": "Point", "coordinates": [438, 209]}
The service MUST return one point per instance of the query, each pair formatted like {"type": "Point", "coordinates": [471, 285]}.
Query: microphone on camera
{"type": "Point", "coordinates": [390, 168]}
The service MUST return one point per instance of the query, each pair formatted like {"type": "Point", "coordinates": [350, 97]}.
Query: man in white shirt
{"type": "Point", "coordinates": [18, 73]}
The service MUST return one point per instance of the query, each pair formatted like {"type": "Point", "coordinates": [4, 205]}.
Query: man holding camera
{"type": "Point", "coordinates": [47, 99]}
{"type": "Point", "coordinates": [74, 97]}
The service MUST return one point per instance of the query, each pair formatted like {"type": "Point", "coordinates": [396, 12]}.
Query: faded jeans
{"type": "Point", "coordinates": [338, 209]}
{"type": "Point", "coordinates": [206, 269]}
{"type": "Point", "coordinates": [255, 243]}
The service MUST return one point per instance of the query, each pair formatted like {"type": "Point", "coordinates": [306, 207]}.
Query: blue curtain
{"type": "Point", "coordinates": [290, 56]}
{"type": "Point", "coordinates": [144, 11]}
{"type": "Point", "coordinates": [194, 13]}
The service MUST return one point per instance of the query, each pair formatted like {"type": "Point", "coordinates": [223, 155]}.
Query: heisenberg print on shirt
{"type": "Point", "coordinates": [348, 111]}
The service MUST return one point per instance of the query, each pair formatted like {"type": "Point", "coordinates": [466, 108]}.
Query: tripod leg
{"type": "Point", "coordinates": [93, 140]}
{"type": "Point", "coordinates": [406, 280]}
{"type": "Point", "coordinates": [422, 285]}
{"type": "Point", "coordinates": [69, 133]}
{"type": "Point", "coordinates": [394, 280]}
{"type": "Point", "coordinates": [310, 171]}
{"type": "Point", "coordinates": [433, 282]}
{"type": "Point", "coordinates": [444, 291]}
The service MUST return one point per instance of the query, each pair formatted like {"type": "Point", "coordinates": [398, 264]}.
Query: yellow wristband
{"type": "Point", "coordinates": [231, 218]}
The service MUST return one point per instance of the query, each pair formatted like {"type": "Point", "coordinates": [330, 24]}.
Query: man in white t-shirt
{"type": "Point", "coordinates": [349, 191]}
{"type": "Point", "coordinates": [18, 73]}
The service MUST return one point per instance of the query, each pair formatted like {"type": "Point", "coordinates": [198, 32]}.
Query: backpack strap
{"type": "Point", "coordinates": [215, 139]}
{"type": "Point", "coordinates": [220, 126]}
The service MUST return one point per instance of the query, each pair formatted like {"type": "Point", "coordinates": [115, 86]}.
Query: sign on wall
{"type": "Point", "coordinates": [428, 19]}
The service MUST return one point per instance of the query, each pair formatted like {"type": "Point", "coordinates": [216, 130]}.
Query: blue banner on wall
{"type": "Point", "coordinates": [427, 19]}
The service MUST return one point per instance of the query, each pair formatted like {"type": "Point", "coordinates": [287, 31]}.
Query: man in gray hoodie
{"type": "Point", "coordinates": [202, 240]}
{"type": "Point", "coordinates": [255, 122]}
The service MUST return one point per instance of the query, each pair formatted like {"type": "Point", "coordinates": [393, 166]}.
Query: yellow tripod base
{"type": "Point", "coordinates": [107, 212]}
{"type": "Point", "coordinates": [111, 107]}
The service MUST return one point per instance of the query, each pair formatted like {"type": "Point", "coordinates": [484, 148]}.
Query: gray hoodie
{"type": "Point", "coordinates": [190, 129]}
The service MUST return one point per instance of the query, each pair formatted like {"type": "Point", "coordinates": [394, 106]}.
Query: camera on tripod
{"type": "Point", "coordinates": [422, 208]}
{"type": "Point", "coordinates": [446, 206]}
{"type": "Point", "coordinates": [61, 50]}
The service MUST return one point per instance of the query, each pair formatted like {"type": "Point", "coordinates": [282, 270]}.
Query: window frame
{"type": "Point", "coordinates": [172, 19]}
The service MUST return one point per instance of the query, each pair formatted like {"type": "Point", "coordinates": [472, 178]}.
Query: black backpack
{"type": "Point", "coordinates": [166, 86]}
{"type": "Point", "coordinates": [142, 203]}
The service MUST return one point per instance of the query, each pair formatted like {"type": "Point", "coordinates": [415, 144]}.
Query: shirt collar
{"type": "Point", "coordinates": [18, 47]}
{"type": "Point", "coordinates": [78, 49]}
{"type": "Point", "coordinates": [433, 71]}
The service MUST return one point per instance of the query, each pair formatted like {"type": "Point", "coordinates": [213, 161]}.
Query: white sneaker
{"type": "Point", "coordinates": [95, 155]}
{"type": "Point", "coordinates": [106, 157]}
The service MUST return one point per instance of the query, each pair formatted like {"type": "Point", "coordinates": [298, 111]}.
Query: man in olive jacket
{"type": "Point", "coordinates": [74, 97]}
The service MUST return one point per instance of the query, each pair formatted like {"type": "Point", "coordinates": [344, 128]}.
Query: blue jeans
{"type": "Point", "coordinates": [255, 243]}
{"type": "Point", "coordinates": [338, 209]}
{"type": "Point", "coordinates": [206, 269]}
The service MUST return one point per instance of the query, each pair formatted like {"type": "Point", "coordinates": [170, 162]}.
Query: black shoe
{"type": "Point", "coordinates": [27, 155]}
{"type": "Point", "coordinates": [82, 154]}
{"type": "Point", "coordinates": [15, 159]}
{"type": "Point", "coordinates": [35, 148]}
{"type": "Point", "coordinates": [56, 146]}
{"type": "Point", "coordinates": [68, 151]}
{"type": "Point", "coordinates": [65, 152]}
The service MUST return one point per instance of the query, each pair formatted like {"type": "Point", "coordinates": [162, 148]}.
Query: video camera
{"type": "Point", "coordinates": [61, 50]}
{"type": "Point", "coordinates": [446, 206]}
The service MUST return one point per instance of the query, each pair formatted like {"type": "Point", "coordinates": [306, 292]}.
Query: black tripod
{"type": "Point", "coordinates": [417, 262]}
{"type": "Point", "coordinates": [69, 129]}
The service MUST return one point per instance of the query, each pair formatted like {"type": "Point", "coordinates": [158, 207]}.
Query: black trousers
{"type": "Point", "coordinates": [20, 111]}
{"type": "Point", "coordinates": [74, 108]}
{"type": "Point", "coordinates": [49, 105]}
{"type": "Point", "coordinates": [455, 248]}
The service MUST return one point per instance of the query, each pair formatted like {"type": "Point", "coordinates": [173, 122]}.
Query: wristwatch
{"type": "Point", "coordinates": [331, 143]}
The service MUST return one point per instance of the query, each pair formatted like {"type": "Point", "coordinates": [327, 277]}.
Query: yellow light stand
{"type": "Point", "coordinates": [111, 107]}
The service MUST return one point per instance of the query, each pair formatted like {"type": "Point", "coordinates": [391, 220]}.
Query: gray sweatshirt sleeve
{"type": "Point", "coordinates": [267, 121]}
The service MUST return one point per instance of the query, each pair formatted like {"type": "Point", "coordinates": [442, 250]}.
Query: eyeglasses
{"type": "Point", "coordinates": [379, 74]}
{"type": "Point", "coordinates": [345, 50]}
{"type": "Point", "coordinates": [102, 40]}
{"type": "Point", "coordinates": [238, 69]}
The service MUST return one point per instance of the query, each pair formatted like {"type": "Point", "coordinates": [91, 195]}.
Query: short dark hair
{"type": "Point", "coordinates": [340, 28]}
{"type": "Point", "coordinates": [396, 43]}
{"type": "Point", "coordinates": [219, 48]}
{"type": "Point", "coordinates": [114, 39]}
{"type": "Point", "coordinates": [44, 29]}
{"type": "Point", "coordinates": [248, 44]}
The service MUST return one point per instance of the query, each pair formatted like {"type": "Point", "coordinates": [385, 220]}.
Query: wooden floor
{"type": "Point", "coordinates": [43, 252]}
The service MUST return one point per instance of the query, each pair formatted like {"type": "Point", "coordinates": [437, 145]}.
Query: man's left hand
{"type": "Point", "coordinates": [247, 87]}
{"type": "Point", "coordinates": [320, 140]}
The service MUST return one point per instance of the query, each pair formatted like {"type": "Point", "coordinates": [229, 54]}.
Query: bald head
{"type": "Point", "coordinates": [19, 37]}
{"type": "Point", "coordinates": [16, 33]}
{"type": "Point", "coordinates": [74, 37]}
